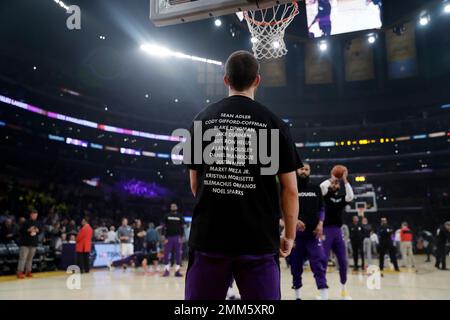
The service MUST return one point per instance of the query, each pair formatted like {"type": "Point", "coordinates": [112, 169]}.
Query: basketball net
{"type": "Point", "coordinates": [268, 27]}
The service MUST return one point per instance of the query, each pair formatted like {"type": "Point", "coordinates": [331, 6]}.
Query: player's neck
{"type": "Point", "coordinates": [247, 93]}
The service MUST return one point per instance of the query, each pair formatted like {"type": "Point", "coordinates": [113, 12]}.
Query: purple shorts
{"type": "Point", "coordinates": [209, 276]}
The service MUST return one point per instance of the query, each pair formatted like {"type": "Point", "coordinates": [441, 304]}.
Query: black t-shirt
{"type": "Point", "coordinates": [237, 209]}
{"type": "Point", "coordinates": [367, 228]}
{"type": "Point", "coordinates": [385, 234]}
{"type": "Point", "coordinates": [138, 241]}
{"type": "Point", "coordinates": [173, 224]}
{"type": "Point", "coordinates": [356, 232]}
{"type": "Point", "coordinates": [442, 237]}
{"type": "Point", "coordinates": [310, 204]}
{"type": "Point", "coordinates": [334, 209]}
{"type": "Point", "coordinates": [30, 239]}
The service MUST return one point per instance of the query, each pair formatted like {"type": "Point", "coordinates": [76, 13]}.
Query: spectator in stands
{"type": "Point", "coordinates": [442, 238]}
{"type": "Point", "coordinates": [71, 228]}
{"type": "Point", "coordinates": [9, 232]}
{"type": "Point", "coordinates": [406, 245]}
{"type": "Point", "coordinates": [84, 246]}
{"type": "Point", "coordinates": [72, 238]}
{"type": "Point", "coordinates": [139, 236]}
{"type": "Point", "coordinates": [29, 241]}
{"type": "Point", "coordinates": [101, 232]}
{"type": "Point", "coordinates": [111, 237]}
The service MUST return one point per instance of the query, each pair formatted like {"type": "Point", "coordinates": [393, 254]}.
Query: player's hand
{"type": "Point", "coordinates": [166, 241]}
{"type": "Point", "coordinates": [286, 246]}
{"type": "Point", "coordinates": [319, 230]}
{"type": "Point", "coordinates": [300, 225]}
{"type": "Point", "coordinates": [333, 178]}
{"type": "Point", "coordinates": [345, 175]}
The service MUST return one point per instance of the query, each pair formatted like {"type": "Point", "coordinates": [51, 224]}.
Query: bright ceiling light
{"type": "Point", "coordinates": [424, 20]}
{"type": "Point", "coordinates": [163, 52]}
{"type": "Point", "coordinates": [447, 8]}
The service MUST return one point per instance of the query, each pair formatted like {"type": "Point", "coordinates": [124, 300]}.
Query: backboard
{"type": "Point", "coordinates": [170, 12]}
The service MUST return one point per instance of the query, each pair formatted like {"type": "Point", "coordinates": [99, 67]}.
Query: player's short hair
{"type": "Point", "coordinates": [241, 69]}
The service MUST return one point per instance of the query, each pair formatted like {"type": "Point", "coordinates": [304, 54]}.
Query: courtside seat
{"type": "Point", "coordinates": [39, 258]}
{"type": "Point", "coordinates": [3, 257]}
{"type": "Point", "coordinates": [13, 256]}
{"type": "Point", "coordinates": [49, 258]}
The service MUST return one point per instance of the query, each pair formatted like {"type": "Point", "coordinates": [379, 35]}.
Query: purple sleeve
{"type": "Point", "coordinates": [322, 215]}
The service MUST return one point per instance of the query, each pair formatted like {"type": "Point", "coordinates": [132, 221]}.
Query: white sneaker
{"type": "Point", "coordinates": [345, 295]}
{"type": "Point", "coordinates": [323, 294]}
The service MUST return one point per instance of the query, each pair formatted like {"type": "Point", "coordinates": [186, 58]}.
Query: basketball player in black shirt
{"type": "Point", "coordinates": [335, 204]}
{"type": "Point", "coordinates": [308, 244]}
{"type": "Point", "coordinates": [234, 231]}
{"type": "Point", "coordinates": [173, 231]}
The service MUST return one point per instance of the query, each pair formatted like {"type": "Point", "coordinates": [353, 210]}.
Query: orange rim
{"type": "Point", "coordinates": [273, 23]}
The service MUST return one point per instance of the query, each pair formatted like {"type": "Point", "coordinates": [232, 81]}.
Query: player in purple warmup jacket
{"type": "Point", "coordinates": [335, 204]}
{"type": "Point", "coordinates": [308, 244]}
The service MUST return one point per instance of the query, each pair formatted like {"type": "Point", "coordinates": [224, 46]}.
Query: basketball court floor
{"type": "Point", "coordinates": [426, 283]}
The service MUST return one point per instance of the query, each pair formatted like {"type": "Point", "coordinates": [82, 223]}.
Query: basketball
{"type": "Point", "coordinates": [338, 171]}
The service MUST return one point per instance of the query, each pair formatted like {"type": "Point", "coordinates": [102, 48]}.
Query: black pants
{"type": "Point", "coordinates": [357, 248]}
{"type": "Point", "coordinates": [441, 257]}
{"type": "Point", "coordinates": [390, 249]}
{"type": "Point", "coordinates": [83, 261]}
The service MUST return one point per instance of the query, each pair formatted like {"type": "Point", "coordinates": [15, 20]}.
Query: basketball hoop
{"type": "Point", "coordinates": [268, 26]}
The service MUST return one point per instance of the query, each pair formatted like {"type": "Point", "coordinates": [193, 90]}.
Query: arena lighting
{"type": "Point", "coordinates": [163, 52]}
{"type": "Point", "coordinates": [254, 40]}
{"type": "Point", "coordinates": [424, 20]}
{"type": "Point", "coordinates": [86, 123]}
{"type": "Point", "coordinates": [323, 46]}
{"type": "Point", "coordinates": [437, 134]}
{"type": "Point", "coordinates": [371, 39]}
{"type": "Point", "coordinates": [56, 138]}
{"type": "Point", "coordinates": [446, 8]}
{"type": "Point", "coordinates": [218, 23]}
{"type": "Point", "coordinates": [77, 142]}
{"type": "Point", "coordinates": [61, 4]}
{"type": "Point", "coordinates": [276, 44]}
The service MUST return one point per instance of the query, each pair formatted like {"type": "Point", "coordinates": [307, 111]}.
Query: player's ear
{"type": "Point", "coordinates": [226, 81]}
{"type": "Point", "coordinates": [257, 81]}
